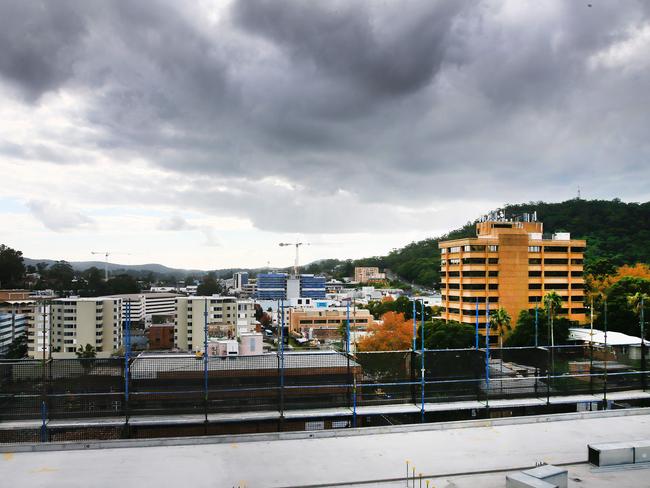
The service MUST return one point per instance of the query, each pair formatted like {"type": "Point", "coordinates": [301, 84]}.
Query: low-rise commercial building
{"type": "Point", "coordinates": [324, 324]}
{"type": "Point", "coordinates": [160, 336]}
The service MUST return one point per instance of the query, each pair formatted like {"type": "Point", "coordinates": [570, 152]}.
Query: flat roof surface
{"type": "Point", "coordinates": [448, 456]}
{"type": "Point", "coordinates": [149, 365]}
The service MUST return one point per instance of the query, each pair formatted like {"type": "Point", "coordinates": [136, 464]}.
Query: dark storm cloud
{"type": "Point", "coordinates": [391, 53]}
{"type": "Point", "coordinates": [38, 42]}
{"type": "Point", "coordinates": [383, 110]}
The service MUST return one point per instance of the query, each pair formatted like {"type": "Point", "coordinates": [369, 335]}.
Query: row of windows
{"type": "Point", "coordinates": [456, 298]}
{"type": "Point", "coordinates": [495, 248]}
{"type": "Point", "coordinates": [556, 286]}
{"type": "Point", "coordinates": [472, 286]}
{"type": "Point", "coordinates": [555, 274]}
{"type": "Point", "coordinates": [554, 261]}
{"type": "Point", "coordinates": [473, 274]}
{"type": "Point", "coordinates": [473, 313]}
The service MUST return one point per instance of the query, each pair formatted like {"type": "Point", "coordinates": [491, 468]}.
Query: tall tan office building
{"type": "Point", "coordinates": [511, 265]}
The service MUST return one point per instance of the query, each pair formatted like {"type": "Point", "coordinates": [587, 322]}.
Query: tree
{"type": "Point", "coordinates": [524, 332]}
{"type": "Point", "coordinates": [121, 284]}
{"type": "Point", "coordinates": [209, 286]}
{"type": "Point", "coordinates": [87, 352]}
{"type": "Point", "coordinates": [501, 320]}
{"type": "Point", "coordinates": [17, 349]}
{"type": "Point", "coordinates": [637, 303]}
{"type": "Point", "coordinates": [439, 334]}
{"type": "Point", "coordinates": [59, 276]}
{"type": "Point", "coordinates": [621, 314]}
{"type": "Point", "coordinates": [552, 304]}
{"type": "Point", "coordinates": [12, 269]}
{"type": "Point", "coordinates": [394, 333]}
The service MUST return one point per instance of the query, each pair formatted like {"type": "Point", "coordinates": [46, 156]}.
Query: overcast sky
{"type": "Point", "coordinates": [202, 134]}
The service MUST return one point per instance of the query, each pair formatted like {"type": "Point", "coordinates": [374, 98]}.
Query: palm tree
{"type": "Point", "coordinates": [501, 321]}
{"type": "Point", "coordinates": [88, 352]}
{"type": "Point", "coordinates": [637, 303]}
{"type": "Point", "coordinates": [552, 303]}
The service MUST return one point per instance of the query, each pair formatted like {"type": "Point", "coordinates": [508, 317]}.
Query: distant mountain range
{"type": "Point", "coordinates": [153, 267]}
{"type": "Point", "coordinates": [614, 230]}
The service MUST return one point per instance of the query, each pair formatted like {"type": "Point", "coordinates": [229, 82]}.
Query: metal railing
{"type": "Point", "coordinates": [174, 385]}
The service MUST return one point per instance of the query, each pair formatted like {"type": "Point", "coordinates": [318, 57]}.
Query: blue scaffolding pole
{"type": "Point", "coordinates": [536, 320]}
{"type": "Point", "coordinates": [205, 356]}
{"type": "Point", "coordinates": [127, 350]}
{"type": "Point", "coordinates": [422, 369]}
{"type": "Point", "coordinates": [347, 330]}
{"type": "Point", "coordinates": [415, 325]}
{"type": "Point", "coordinates": [487, 351]}
{"type": "Point", "coordinates": [476, 334]}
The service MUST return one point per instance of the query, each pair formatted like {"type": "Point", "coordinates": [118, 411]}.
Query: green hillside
{"type": "Point", "coordinates": [616, 232]}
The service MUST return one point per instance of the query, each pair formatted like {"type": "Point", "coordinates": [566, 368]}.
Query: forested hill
{"type": "Point", "coordinates": [617, 233]}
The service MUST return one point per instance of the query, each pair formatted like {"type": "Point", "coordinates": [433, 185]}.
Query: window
{"type": "Point", "coordinates": [443, 250]}
{"type": "Point", "coordinates": [557, 286]}
{"type": "Point", "coordinates": [454, 274]}
{"type": "Point", "coordinates": [534, 274]}
{"type": "Point", "coordinates": [493, 286]}
{"type": "Point", "coordinates": [454, 249]}
{"type": "Point", "coordinates": [473, 261]}
{"type": "Point", "coordinates": [576, 274]}
{"type": "Point", "coordinates": [454, 261]}
{"type": "Point", "coordinates": [556, 261]}
{"type": "Point", "coordinates": [556, 274]}
{"type": "Point", "coordinates": [493, 260]}
{"type": "Point", "coordinates": [577, 249]}
{"type": "Point", "coordinates": [473, 248]}
{"type": "Point", "coordinates": [474, 286]}
{"type": "Point", "coordinates": [576, 261]}
{"type": "Point", "coordinates": [493, 274]}
{"type": "Point", "coordinates": [453, 286]}
{"type": "Point", "coordinates": [502, 226]}
{"type": "Point", "coordinates": [556, 249]}
{"type": "Point", "coordinates": [534, 286]}
{"type": "Point", "coordinates": [534, 248]}
{"type": "Point", "coordinates": [577, 286]}
{"type": "Point", "coordinates": [493, 248]}
{"type": "Point", "coordinates": [473, 274]}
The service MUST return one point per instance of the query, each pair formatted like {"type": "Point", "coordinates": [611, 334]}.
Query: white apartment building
{"type": "Point", "coordinates": [12, 326]}
{"type": "Point", "coordinates": [37, 319]}
{"type": "Point", "coordinates": [227, 317]}
{"type": "Point", "coordinates": [145, 305]}
{"type": "Point", "coordinates": [76, 322]}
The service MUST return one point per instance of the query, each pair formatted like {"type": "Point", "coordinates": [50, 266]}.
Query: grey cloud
{"type": "Point", "coordinates": [382, 111]}
{"type": "Point", "coordinates": [58, 217]}
{"type": "Point", "coordinates": [38, 44]}
{"type": "Point", "coordinates": [390, 52]}
{"type": "Point", "coordinates": [175, 223]}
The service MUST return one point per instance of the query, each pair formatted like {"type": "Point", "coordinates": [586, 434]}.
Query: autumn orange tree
{"type": "Point", "coordinates": [598, 285]}
{"type": "Point", "coordinates": [394, 333]}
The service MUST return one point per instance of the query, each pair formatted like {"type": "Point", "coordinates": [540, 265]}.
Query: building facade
{"type": "Point", "coordinates": [227, 317]}
{"type": "Point", "coordinates": [76, 322]}
{"type": "Point", "coordinates": [365, 274]}
{"type": "Point", "coordinates": [281, 286]}
{"type": "Point", "coordinates": [511, 265]}
{"type": "Point", "coordinates": [143, 306]}
{"type": "Point", "coordinates": [12, 326]}
{"type": "Point", "coordinates": [239, 280]}
{"type": "Point", "coordinates": [324, 324]}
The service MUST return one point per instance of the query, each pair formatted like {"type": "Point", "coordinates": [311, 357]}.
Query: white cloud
{"type": "Point", "coordinates": [58, 216]}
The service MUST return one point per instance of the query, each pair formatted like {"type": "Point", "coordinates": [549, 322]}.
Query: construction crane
{"type": "Point", "coordinates": [106, 254]}
{"type": "Point", "coordinates": [296, 264]}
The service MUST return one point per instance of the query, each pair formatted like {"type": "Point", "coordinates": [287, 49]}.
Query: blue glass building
{"type": "Point", "coordinates": [273, 286]}
{"type": "Point", "coordinates": [312, 286]}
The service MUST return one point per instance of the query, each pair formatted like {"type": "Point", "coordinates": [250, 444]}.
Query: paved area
{"type": "Point", "coordinates": [301, 462]}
